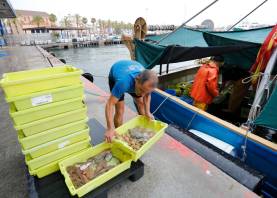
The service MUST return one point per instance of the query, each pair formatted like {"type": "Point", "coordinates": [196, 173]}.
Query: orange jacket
{"type": "Point", "coordinates": [204, 87]}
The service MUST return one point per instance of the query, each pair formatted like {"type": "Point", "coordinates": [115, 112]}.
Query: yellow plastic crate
{"type": "Point", "coordinates": [83, 156]}
{"type": "Point", "coordinates": [50, 168]}
{"type": "Point", "coordinates": [41, 112]}
{"type": "Point", "coordinates": [52, 122]}
{"type": "Point", "coordinates": [46, 97]}
{"type": "Point", "coordinates": [52, 134]}
{"type": "Point", "coordinates": [56, 155]}
{"type": "Point", "coordinates": [26, 82]}
{"type": "Point", "coordinates": [57, 144]}
{"type": "Point", "coordinates": [140, 121]}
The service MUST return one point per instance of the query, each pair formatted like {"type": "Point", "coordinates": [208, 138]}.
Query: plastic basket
{"type": "Point", "coordinates": [57, 144]}
{"type": "Point", "coordinates": [40, 112]}
{"type": "Point", "coordinates": [52, 122]}
{"type": "Point", "coordinates": [83, 156]}
{"type": "Point", "coordinates": [56, 155]}
{"type": "Point", "coordinates": [52, 134]}
{"type": "Point", "coordinates": [140, 121]}
{"type": "Point", "coordinates": [26, 82]}
{"type": "Point", "coordinates": [50, 168]}
{"type": "Point", "coordinates": [46, 97]}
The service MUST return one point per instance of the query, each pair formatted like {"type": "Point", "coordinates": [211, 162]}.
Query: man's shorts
{"type": "Point", "coordinates": [111, 85]}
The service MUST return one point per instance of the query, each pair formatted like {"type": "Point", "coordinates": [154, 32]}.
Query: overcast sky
{"type": "Point", "coordinates": [224, 12]}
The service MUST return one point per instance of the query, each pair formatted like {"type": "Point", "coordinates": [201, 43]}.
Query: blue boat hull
{"type": "Point", "coordinates": [259, 155]}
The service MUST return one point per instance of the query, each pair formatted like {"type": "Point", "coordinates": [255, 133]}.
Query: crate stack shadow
{"type": "Point", "coordinates": [49, 115]}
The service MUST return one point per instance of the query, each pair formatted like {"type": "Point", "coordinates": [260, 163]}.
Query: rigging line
{"type": "Point", "coordinates": [250, 124]}
{"type": "Point", "coordinates": [169, 96]}
{"type": "Point", "coordinates": [153, 112]}
{"type": "Point", "coordinates": [183, 24]}
{"type": "Point", "coordinates": [253, 112]}
{"type": "Point", "coordinates": [249, 78]}
{"type": "Point", "coordinates": [247, 14]}
{"type": "Point", "coordinates": [244, 146]}
{"type": "Point", "coordinates": [194, 115]}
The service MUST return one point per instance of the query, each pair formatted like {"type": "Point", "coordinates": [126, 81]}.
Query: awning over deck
{"type": "Point", "coordinates": [238, 47]}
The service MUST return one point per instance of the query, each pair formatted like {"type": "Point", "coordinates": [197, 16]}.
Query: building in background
{"type": "Point", "coordinates": [26, 19]}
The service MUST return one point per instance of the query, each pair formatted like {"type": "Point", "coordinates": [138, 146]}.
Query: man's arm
{"type": "Point", "coordinates": [140, 105]}
{"type": "Point", "coordinates": [147, 101]}
{"type": "Point", "coordinates": [110, 132]}
{"type": "Point", "coordinates": [212, 83]}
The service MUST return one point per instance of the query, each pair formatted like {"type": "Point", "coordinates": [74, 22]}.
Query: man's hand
{"type": "Point", "coordinates": [150, 116]}
{"type": "Point", "coordinates": [109, 134]}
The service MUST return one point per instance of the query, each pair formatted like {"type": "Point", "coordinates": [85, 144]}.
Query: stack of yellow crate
{"type": "Point", "coordinates": [46, 106]}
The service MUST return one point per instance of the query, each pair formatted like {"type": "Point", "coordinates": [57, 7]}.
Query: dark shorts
{"type": "Point", "coordinates": [111, 85]}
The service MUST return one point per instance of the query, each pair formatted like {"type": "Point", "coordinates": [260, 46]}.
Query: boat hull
{"type": "Point", "coordinates": [261, 155]}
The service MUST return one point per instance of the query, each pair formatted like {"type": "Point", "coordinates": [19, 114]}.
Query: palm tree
{"type": "Point", "coordinates": [52, 19]}
{"type": "Point", "coordinates": [10, 25]}
{"type": "Point", "coordinates": [77, 18]}
{"type": "Point", "coordinates": [66, 21]}
{"type": "Point", "coordinates": [93, 20]}
{"type": "Point", "coordinates": [100, 24]}
{"type": "Point", "coordinates": [85, 21]}
{"type": "Point", "coordinates": [130, 26]}
{"type": "Point", "coordinates": [117, 27]}
{"type": "Point", "coordinates": [104, 25]}
{"type": "Point", "coordinates": [15, 22]}
{"type": "Point", "coordinates": [37, 20]}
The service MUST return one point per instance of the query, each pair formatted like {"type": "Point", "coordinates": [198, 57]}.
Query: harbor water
{"type": "Point", "coordinates": [98, 61]}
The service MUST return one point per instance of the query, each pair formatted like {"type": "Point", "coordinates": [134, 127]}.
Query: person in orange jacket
{"type": "Point", "coordinates": [205, 84]}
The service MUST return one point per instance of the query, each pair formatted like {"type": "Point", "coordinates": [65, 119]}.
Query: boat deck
{"type": "Point", "coordinates": [171, 169]}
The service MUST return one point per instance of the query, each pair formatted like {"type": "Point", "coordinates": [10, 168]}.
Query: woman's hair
{"type": "Point", "coordinates": [146, 75]}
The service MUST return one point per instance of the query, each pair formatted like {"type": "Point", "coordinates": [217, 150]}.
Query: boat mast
{"type": "Point", "coordinates": [247, 15]}
{"type": "Point", "coordinates": [183, 24]}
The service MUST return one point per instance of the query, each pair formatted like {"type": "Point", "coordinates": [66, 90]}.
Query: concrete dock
{"type": "Point", "coordinates": [171, 169]}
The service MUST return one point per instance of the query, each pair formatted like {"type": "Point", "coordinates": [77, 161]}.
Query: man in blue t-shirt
{"type": "Point", "coordinates": [127, 76]}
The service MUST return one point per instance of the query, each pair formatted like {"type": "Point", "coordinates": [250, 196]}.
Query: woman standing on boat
{"type": "Point", "coordinates": [127, 76]}
{"type": "Point", "coordinates": [205, 84]}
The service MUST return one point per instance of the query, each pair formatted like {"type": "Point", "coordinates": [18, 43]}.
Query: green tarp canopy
{"type": "Point", "coordinates": [238, 47]}
{"type": "Point", "coordinates": [190, 37]}
{"type": "Point", "coordinates": [267, 118]}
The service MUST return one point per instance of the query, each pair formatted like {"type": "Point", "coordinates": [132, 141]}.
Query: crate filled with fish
{"type": "Point", "coordinates": [139, 135]}
{"type": "Point", "coordinates": [93, 167]}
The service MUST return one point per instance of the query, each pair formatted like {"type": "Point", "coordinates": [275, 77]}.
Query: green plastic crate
{"type": "Point", "coordinates": [50, 168]}
{"type": "Point", "coordinates": [140, 121]}
{"type": "Point", "coordinates": [52, 122]}
{"type": "Point", "coordinates": [41, 112]}
{"type": "Point", "coordinates": [46, 97]}
{"type": "Point", "coordinates": [31, 81]}
{"type": "Point", "coordinates": [83, 156]}
{"type": "Point", "coordinates": [57, 144]}
{"type": "Point", "coordinates": [52, 134]}
{"type": "Point", "coordinates": [56, 155]}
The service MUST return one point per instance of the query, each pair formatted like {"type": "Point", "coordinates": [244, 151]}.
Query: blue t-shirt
{"type": "Point", "coordinates": [123, 73]}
